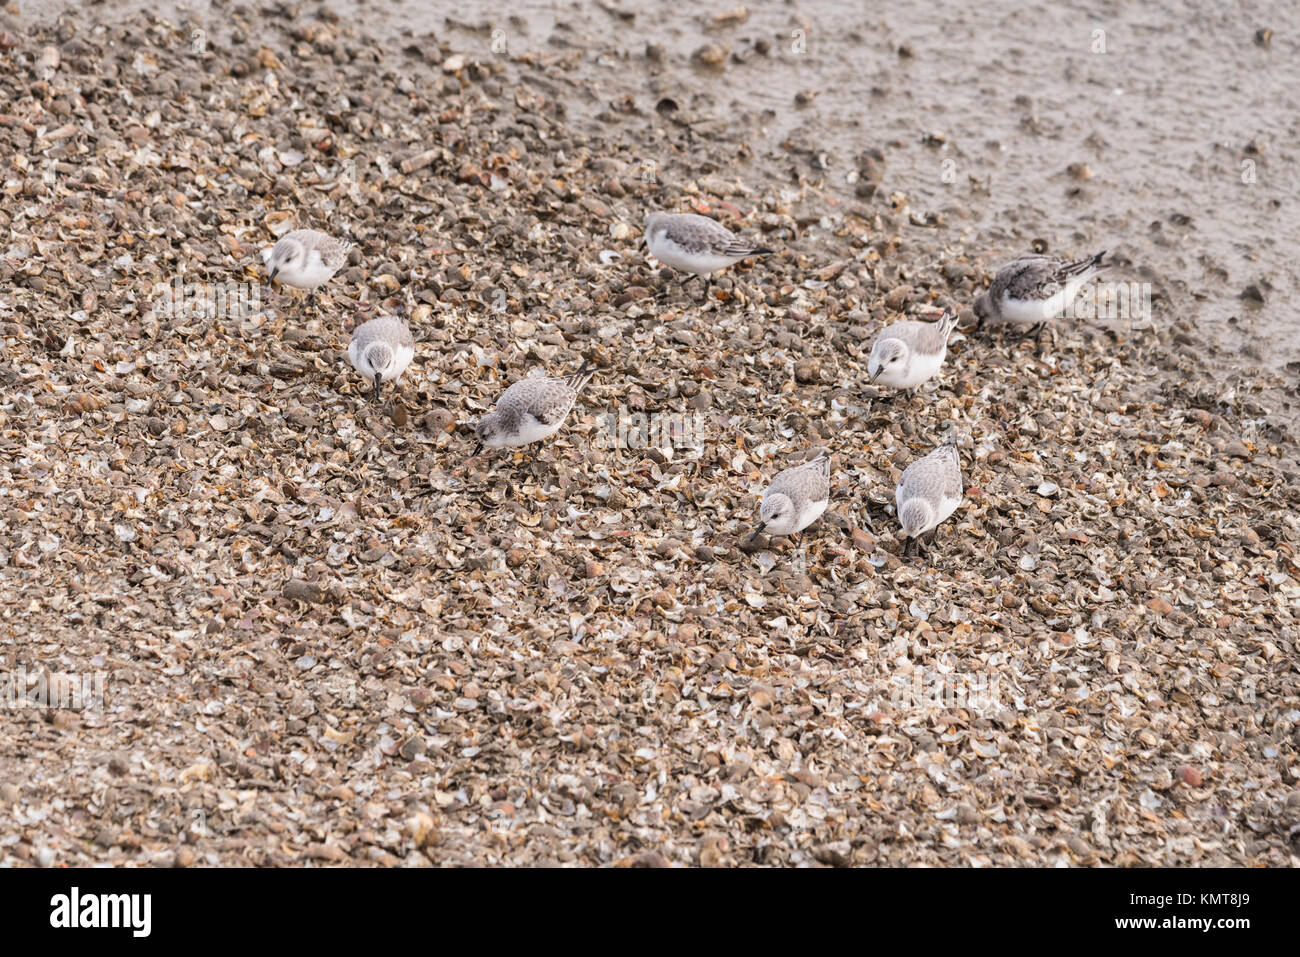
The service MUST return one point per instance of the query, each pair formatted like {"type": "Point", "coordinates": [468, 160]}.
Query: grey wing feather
{"type": "Point", "coordinates": [699, 234]}
{"type": "Point", "coordinates": [551, 401]}
{"type": "Point", "coordinates": [388, 329]}
{"type": "Point", "coordinates": [811, 480]}
{"type": "Point", "coordinates": [1033, 277]}
{"type": "Point", "coordinates": [1040, 277]}
{"type": "Point", "coordinates": [952, 474]}
{"type": "Point", "coordinates": [905, 330]}
{"type": "Point", "coordinates": [932, 477]}
{"type": "Point", "coordinates": [333, 252]}
{"type": "Point", "coordinates": [578, 380]}
{"type": "Point", "coordinates": [743, 248]}
{"type": "Point", "coordinates": [926, 338]}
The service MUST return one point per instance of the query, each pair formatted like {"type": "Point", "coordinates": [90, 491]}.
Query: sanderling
{"type": "Point", "coordinates": [796, 498]}
{"type": "Point", "coordinates": [531, 410]}
{"type": "Point", "coordinates": [381, 349]}
{"type": "Point", "coordinates": [306, 259]}
{"type": "Point", "coordinates": [1035, 290]}
{"type": "Point", "coordinates": [908, 354]}
{"type": "Point", "coordinates": [696, 244]}
{"type": "Point", "coordinates": [929, 491]}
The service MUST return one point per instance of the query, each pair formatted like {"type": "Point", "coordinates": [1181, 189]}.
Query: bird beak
{"type": "Point", "coordinates": [378, 379]}
{"type": "Point", "coordinates": [757, 531]}
{"type": "Point", "coordinates": [876, 375]}
{"type": "Point", "coordinates": [478, 447]}
{"type": "Point", "coordinates": [275, 272]}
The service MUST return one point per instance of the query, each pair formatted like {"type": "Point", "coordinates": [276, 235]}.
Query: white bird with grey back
{"type": "Point", "coordinates": [796, 498]}
{"type": "Point", "coordinates": [696, 244]}
{"type": "Point", "coordinates": [531, 410]}
{"type": "Point", "coordinates": [1035, 290]}
{"type": "Point", "coordinates": [908, 353]}
{"type": "Point", "coordinates": [306, 258]}
{"type": "Point", "coordinates": [929, 492]}
{"type": "Point", "coordinates": [381, 349]}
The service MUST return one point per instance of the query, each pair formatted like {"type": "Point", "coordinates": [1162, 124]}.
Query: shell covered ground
{"type": "Point", "coordinates": [318, 631]}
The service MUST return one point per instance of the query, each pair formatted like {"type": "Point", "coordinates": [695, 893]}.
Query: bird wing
{"type": "Point", "coordinates": [550, 402]}
{"type": "Point", "coordinates": [1033, 277]}
{"type": "Point", "coordinates": [810, 480]}
{"type": "Point", "coordinates": [386, 328]}
{"type": "Point", "coordinates": [952, 473]}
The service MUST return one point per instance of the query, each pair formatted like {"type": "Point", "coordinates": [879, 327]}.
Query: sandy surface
{"type": "Point", "coordinates": [325, 636]}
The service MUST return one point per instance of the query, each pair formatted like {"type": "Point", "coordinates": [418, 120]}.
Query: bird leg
{"type": "Point", "coordinates": [1038, 339]}
{"type": "Point", "coordinates": [703, 279]}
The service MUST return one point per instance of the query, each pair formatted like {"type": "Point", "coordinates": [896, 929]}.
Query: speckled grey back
{"type": "Point", "coordinates": [333, 252]}
{"type": "Point", "coordinates": [387, 329]}
{"type": "Point", "coordinates": [698, 234]}
{"type": "Point", "coordinates": [933, 477]}
{"type": "Point", "coordinates": [809, 482]}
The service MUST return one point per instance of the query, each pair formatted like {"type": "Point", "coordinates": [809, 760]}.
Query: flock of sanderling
{"type": "Point", "coordinates": [1029, 293]}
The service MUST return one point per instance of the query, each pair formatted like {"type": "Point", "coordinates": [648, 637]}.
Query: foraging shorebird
{"type": "Point", "coordinates": [696, 244]}
{"type": "Point", "coordinates": [796, 498]}
{"type": "Point", "coordinates": [908, 354]}
{"type": "Point", "coordinates": [928, 492]}
{"type": "Point", "coordinates": [1034, 291]}
{"type": "Point", "coordinates": [381, 349]}
{"type": "Point", "coordinates": [306, 259]}
{"type": "Point", "coordinates": [531, 410]}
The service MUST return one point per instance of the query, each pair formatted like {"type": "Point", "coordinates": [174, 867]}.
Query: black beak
{"type": "Point", "coordinates": [378, 379]}
{"type": "Point", "coordinates": [757, 531]}
{"type": "Point", "coordinates": [275, 272]}
{"type": "Point", "coordinates": [876, 375]}
{"type": "Point", "coordinates": [478, 447]}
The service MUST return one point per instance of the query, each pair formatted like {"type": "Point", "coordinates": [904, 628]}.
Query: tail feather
{"type": "Point", "coordinates": [744, 249]}
{"type": "Point", "coordinates": [1079, 267]}
{"type": "Point", "coordinates": [579, 379]}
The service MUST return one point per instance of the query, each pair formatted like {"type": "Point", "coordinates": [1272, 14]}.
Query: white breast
{"type": "Point", "coordinates": [402, 357]}
{"type": "Point", "coordinates": [529, 432]}
{"type": "Point", "coordinates": [921, 369]}
{"type": "Point", "coordinates": [946, 507]}
{"type": "Point", "coordinates": [314, 274]}
{"type": "Point", "coordinates": [673, 255]}
{"type": "Point", "coordinates": [810, 513]}
{"type": "Point", "coordinates": [1032, 311]}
